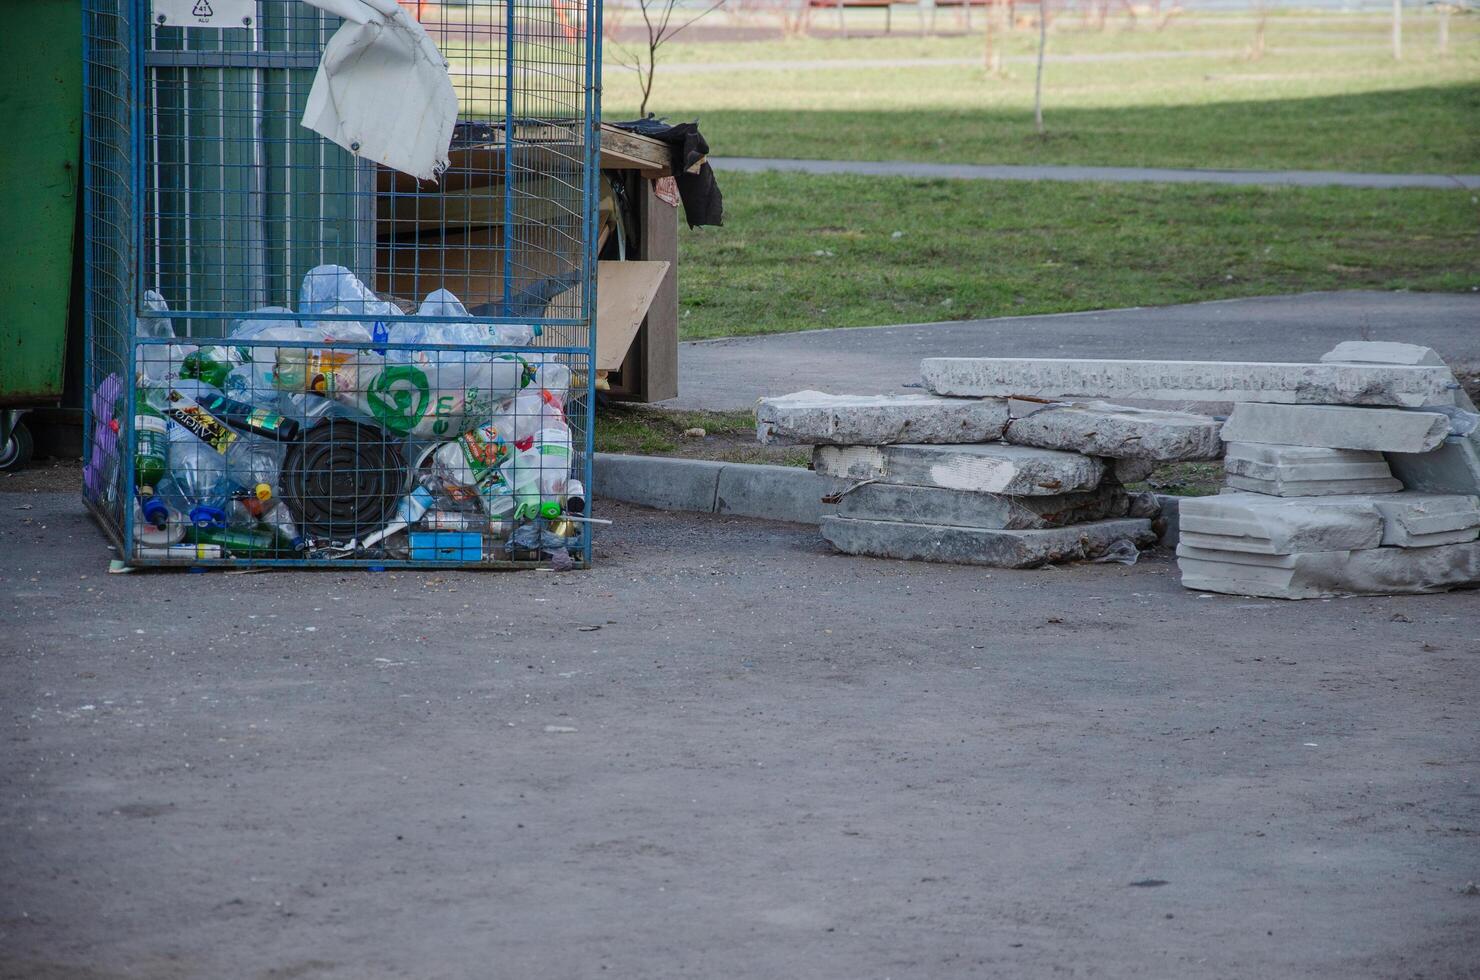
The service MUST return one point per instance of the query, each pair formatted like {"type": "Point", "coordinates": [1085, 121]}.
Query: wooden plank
{"type": "Point", "coordinates": [624, 292]}
{"type": "Point", "coordinates": [483, 164]}
{"type": "Point", "coordinates": [650, 372]}
{"type": "Point", "coordinates": [645, 152]}
{"type": "Point", "coordinates": [473, 207]}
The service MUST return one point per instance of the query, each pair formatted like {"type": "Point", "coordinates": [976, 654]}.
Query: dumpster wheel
{"type": "Point", "coordinates": [16, 453]}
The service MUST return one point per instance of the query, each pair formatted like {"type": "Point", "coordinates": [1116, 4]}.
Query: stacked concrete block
{"type": "Point", "coordinates": [1190, 381]}
{"type": "Point", "coordinates": [813, 418]}
{"type": "Point", "coordinates": [979, 481]}
{"type": "Point", "coordinates": [1343, 498]}
{"type": "Point", "coordinates": [1305, 471]}
{"type": "Point", "coordinates": [1324, 547]}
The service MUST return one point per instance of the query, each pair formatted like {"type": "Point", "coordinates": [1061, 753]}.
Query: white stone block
{"type": "Point", "coordinates": [1381, 352]}
{"type": "Point", "coordinates": [815, 418]}
{"type": "Point", "coordinates": [1387, 430]}
{"type": "Point", "coordinates": [964, 508]}
{"type": "Point", "coordinates": [1201, 381]}
{"type": "Point", "coordinates": [981, 546]}
{"type": "Point", "coordinates": [1330, 574]}
{"type": "Point", "coordinates": [1116, 431]}
{"type": "Point", "coordinates": [994, 468]}
{"type": "Point", "coordinates": [1304, 471]}
{"type": "Point", "coordinates": [1424, 520]}
{"type": "Point", "coordinates": [1251, 522]}
{"type": "Point", "coordinates": [1454, 467]}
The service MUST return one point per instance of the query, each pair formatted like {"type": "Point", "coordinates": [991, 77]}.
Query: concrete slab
{"type": "Point", "coordinates": [980, 546]}
{"type": "Point", "coordinates": [995, 468]}
{"type": "Point", "coordinates": [1454, 467]}
{"type": "Point", "coordinates": [1303, 471]}
{"type": "Point", "coordinates": [1331, 574]}
{"type": "Point", "coordinates": [730, 374]}
{"type": "Point", "coordinates": [1420, 520]}
{"type": "Point", "coordinates": [1337, 427]}
{"type": "Point", "coordinates": [963, 508]}
{"type": "Point", "coordinates": [813, 418]}
{"type": "Point", "coordinates": [1204, 381]}
{"type": "Point", "coordinates": [1388, 352]}
{"type": "Point", "coordinates": [1255, 523]}
{"type": "Point", "coordinates": [1381, 352]}
{"type": "Point", "coordinates": [1116, 431]}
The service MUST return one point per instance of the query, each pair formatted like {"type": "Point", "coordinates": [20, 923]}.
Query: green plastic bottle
{"type": "Point", "coordinates": [238, 542]}
{"type": "Point", "coordinates": [151, 443]}
{"type": "Point", "coordinates": [211, 365]}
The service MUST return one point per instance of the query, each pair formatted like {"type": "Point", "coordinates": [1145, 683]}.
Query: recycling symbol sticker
{"type": "Point", "coordinates": [219, 14]}
{"type": "Point", "coordinates": [399, 397]}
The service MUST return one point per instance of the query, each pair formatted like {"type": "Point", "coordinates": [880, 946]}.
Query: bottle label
{"type": "Point", "coordinates": [485, 450]}
{"type": "Point", "coordinates": [398, 397]}
{"type": "Point", "coordinates": [323, 369]}
{"type": "Point", "coordinates": [261, 419]}
{"type": "Point", "coordinates": [203, 425]}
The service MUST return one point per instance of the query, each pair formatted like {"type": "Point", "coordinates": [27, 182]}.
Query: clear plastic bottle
{"type": "Point", "coordinates": [198, 484]}
{"type": "Point", "coordinates": [158, 362]}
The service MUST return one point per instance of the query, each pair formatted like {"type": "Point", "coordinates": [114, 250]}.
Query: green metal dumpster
{"type": "Point", "coordinates": [41, 117]}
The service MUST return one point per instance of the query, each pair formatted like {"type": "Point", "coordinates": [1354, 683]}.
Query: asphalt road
{"type": "Point", "coordinates": [724, 752]}
{"type": "Point", "coordinates": [731, 374]}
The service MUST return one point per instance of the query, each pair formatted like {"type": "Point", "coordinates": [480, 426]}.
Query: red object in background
{"type": "Point", "coordinates": [415, 7]}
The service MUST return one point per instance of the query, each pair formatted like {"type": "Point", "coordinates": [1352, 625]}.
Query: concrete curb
{"type": "Point", "coordinates": [776, 493]}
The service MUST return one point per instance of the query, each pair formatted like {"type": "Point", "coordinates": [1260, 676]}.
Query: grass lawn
{"type": "Point", "coordinates": [728, 436]}
{"type": "Point", "coordinates": [1325, 95]}
{"type": "Point", "coordinates": [800, 251]}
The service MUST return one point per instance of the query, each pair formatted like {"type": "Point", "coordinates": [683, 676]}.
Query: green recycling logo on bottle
{"type": "Point", "coordinates": [399, 397]}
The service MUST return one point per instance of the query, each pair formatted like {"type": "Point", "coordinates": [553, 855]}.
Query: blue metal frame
{"type": "Point", "coordinates": [127, 258]}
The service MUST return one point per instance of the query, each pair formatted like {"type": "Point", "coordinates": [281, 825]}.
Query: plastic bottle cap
{"type": "Point", "coordinates": [263, 491]}
{"type": "Point", "coordinates": [155, 512]}
{"type": "Point", "coordinates": [203, 517]}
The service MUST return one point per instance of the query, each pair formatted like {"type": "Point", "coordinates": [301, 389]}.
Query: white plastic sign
{"type": "Point", "coordinates": [205, 13]}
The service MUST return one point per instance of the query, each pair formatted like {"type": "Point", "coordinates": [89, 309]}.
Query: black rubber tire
{"type": "Point", "coordinates": [343, 480]}
{"type": "Point", "coordinates": [16, 454]}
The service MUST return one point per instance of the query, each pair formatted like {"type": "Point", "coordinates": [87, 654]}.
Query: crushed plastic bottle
{"type": "Point", "coordinates": [442, 303]}
{"type": "Point", "coordinates": [157, 363]}
{"type": "Point", "coordinates": [523, 416]}
{"type": "Point", "coordinates": [470, 469]}
{"type": "Point", "coordinates": [432, 396]}
{"type": "Point", "coordinates": [198, 485]}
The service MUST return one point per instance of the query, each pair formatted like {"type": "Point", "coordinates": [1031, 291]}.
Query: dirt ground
{"type": "Point", "coordinates": [724, 751]}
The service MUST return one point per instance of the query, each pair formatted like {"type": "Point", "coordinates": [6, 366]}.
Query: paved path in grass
{"type": "Point", "coordinates": [1083, 57]}
{"type": "Point", "coordinates": [732, 374]}
{"type": "Point", "coordinates": [1136, 175]}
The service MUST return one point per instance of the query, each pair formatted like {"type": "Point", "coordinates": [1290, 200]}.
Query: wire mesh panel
{"type": "Point", "coordinates": [299, 355]}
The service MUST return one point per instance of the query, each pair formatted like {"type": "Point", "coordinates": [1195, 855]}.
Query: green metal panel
{"type": "Point", "coordinates": [247, 200]}
{"type": "Point", "coordinates": [41, 117]}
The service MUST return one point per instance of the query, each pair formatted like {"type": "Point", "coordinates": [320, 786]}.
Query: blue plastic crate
{"type": "Point", "coordinates": [446, 546]}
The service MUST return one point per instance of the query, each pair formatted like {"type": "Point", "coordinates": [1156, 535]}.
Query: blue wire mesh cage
{"type": "Point", "coordinates": [298, 355]}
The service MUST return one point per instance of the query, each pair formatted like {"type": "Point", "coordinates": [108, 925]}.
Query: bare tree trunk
{"type": "Point", "coordinates": [1397, 30]}
{"type": "Point", "coordinates": [1038, 81]}
{"type": "Point", "coordinates": [1256, 49]}
{"type": "Point", "coordinates": [1443, 29]}
{"type": "Point", "coordinates": [992, 55]}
